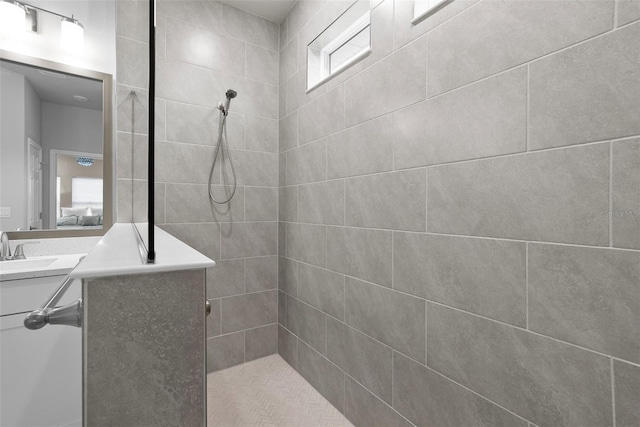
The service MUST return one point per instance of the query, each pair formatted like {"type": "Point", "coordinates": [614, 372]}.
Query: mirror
{"type": "Point", "coordinates": [55, 149]}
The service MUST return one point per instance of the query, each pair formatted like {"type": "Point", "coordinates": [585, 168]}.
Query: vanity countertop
{"type": "Point", "coordinates": [117, 254]}
{"type": "Point", "coordinates": [38, 266]}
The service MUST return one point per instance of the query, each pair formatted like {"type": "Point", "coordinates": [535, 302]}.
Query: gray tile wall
{"type": "Point", "coordinates": [203, 49]}
{"type": "Point", "coordinates": [460, 215]}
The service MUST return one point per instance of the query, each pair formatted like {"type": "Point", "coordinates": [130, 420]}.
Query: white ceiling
{"type": "Point", "coordinates": [273, 10]}
{"type": "Point", "coordinates": [60, 90]}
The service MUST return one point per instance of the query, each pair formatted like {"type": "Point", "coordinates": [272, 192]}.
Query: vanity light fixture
{"type": "Point", "coordinates": [12, 16]}
{"type": "Point", "coordinates": [16, 16]}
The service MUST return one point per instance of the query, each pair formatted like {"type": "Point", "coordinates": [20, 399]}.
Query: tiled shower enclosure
{"type": "Point", "coordinates": [452, 224]}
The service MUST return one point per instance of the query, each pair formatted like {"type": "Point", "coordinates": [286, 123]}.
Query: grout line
{"type": "Point", "coordinates": [613, 393]}
{"type": "Point", "coordinates": [476, 393]}
{"type": "Point", "coordinates": [610, 195]}
{"type": "Point", "coordinates": [526, 284]}
{"type": "Point", "coordinates": [528, 109]}
{"type": "Point", "coordinates": [393, 233]}
{"type": "Point", "coordinates": [245, 330]}
{"type": "Point", "coordinates": [425, 332]}
{"type": "Point", "coordinates": [392, 378]}
{"type": "Point", "coordinates": [502, 239]}
{"type": "Point", "coordinates": [616, 5]}
{"type": "Point", "coordinates": [378, 398]}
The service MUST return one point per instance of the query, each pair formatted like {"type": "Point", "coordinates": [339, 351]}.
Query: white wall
{"type": "Point", "coordinates": [98, 18]}
{"type": "Point", "coordinates": [12, 151]}
{"type": "Point", "coordinates": [67, 128]}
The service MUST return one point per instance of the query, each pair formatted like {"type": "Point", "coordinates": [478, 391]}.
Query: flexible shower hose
{"type": "Point", "coordinates": [221, 147]}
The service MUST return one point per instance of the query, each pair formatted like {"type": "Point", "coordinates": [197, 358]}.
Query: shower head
{"type": "Point", "coordinates": [231, 94]}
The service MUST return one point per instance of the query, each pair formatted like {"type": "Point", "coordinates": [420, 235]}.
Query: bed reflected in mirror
{"type": "Point", "coordinates": [53, 173]}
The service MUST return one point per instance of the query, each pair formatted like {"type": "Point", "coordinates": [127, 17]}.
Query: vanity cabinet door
{"type": "Point", "coordinates": [22, 295]}
{"type": "Point", "coordinates": [41, 374]}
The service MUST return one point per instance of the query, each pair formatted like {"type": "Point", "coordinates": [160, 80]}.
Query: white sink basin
{"type": "Point", "coordinates": [38, 266]}
{"type": "Point", "coordinates": [26, 264]}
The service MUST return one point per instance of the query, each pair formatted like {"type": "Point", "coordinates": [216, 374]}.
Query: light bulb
{"type": "Point", "coordinates": [12, 17]}
{"type": "Point", "coordinates": [71, 35]}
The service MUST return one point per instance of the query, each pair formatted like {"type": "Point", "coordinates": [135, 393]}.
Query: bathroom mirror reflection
{"type": "Point", "coordinates": [55, 146]}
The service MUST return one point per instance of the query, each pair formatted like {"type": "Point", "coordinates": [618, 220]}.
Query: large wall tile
{"type": "Point", "coordinates": [177, 81]}
{"type": "Point", "coordinates": [587, 93]}
{"type": "Point", "coordinates": [213, 319]}
{"type": "Point", "coordinates": [254, 98]}
{"type": "Point", "coordinates": [190, 203]}
{"type": "Point", "coordinates": [485, 119]}
{"type": "Point", "coordinates": [538, 378]}
{"type": "Point", "coordinates": [296, 91]}
{"type": "Point", "coordinates": [129, 14]}
{"type": "Point", "coordinates": [586, 296]}
{"type": "Point", "coordinates": [255, 168]}
{"type": "Point", "coordinates": [396, 319]}
{"type": "Point", "coordinates": [365, 254]}
{"type": "Point", "coordinates": [184, 163]}
{"type": "Point", "coordinates": [260, 342]}
{"type": "Point", "coordinates": [507, 34]}
{"type": "Point", "coordinates": [363, 358]}
{"type": "Point", "coordinates": [556, 196]}
{"type": "Point", "coordinates": [321, 203]}
{"type": "Point", "coordinates": [364, 409]}
{"type": "Point", "coordinates": [288, 276]}
{"type": "Point", "coordinates": [628, 11]}
{"type": "Point", "coordinates": [362, 149]}
{"type": "Point", "coordinates": [249, 311]}
{"type": "Point", "coordinates": [302, 13]}
{"type": "Point", "coordinates": [226, 278]}
{"type": "Point", "coordinates": [197, 46]}
{"type": "Point", "coordinates": [307, 243]}
{"type": "Point", "coordinates": [323, 375]}
{"type": "Point", "coordinates": [322, 116]}
{"type": "Point", "coordinates": [483, 276]}
{"type": "Point", "coordinates": [282, 308]}
{"type": "Point", "coordinates": [261, 134]}
{"type": "Point", "coordinates": [307, 323]}
{"type": "Point", "coordinates": [627, 384]}
{"type": "Point", "coordinates": [427, 398]}
{"type": "Point", "coordinates": [261, 273]}
{"type": "Point", "coordinates": [395, 200]}
{"type": "Point", "coordinates": [322, 289]}
{"type": "Point", "coordinates": [399, 80]}
{"type": "Point", "coordinates": [289, 131]}
{"type": "Point", "coordinates": [205, 238]}
{"type": "Point", "coordinates": [225, 351]}
{"type": "Point", "coordinates": [249, 239]}
{"type": "Point", "coordinates": [262, 64]}
{"type": "Point", "coordinates": [199, 125]}
{"type": "Point", "coordinates": [249, 28]}
{"type": "Point", "coordinates": [204, 14]}
{"type": "Point", "coordinates": [307, 163]}
{"type": "Point", "coordinates": [132, 65]}
{"type": "Point", "coordinates": [261, 204]}
{"type": "Point", "coordinates": [288, 346]}
{"type": "Point", "coordinates": [625, 194]}
{"type": "Point", "coordinates": [289, 60]}
{"type": "Point", "coordinates": [288, 204]}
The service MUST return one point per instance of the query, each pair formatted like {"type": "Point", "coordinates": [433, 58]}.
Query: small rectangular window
{"type": "Point", "coordinates": [424, 8]}
{"type": "Point", "coordinates": [346, 41]}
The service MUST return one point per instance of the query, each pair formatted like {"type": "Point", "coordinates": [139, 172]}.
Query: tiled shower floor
{"type": "Point", "coordinates": [267, 392]}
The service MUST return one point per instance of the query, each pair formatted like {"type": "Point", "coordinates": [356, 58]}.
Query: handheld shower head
{"type": "Point", "coordinates": [231, 94]}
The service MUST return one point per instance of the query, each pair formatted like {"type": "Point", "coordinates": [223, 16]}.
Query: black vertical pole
{"type": "Point", "coordinates": [151, 255]}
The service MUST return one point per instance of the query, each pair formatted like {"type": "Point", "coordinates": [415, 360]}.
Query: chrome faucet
{"type": "Point", "coordinates": [5, 249]}
{"type": "Point", "coordinates": [19, 253]}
